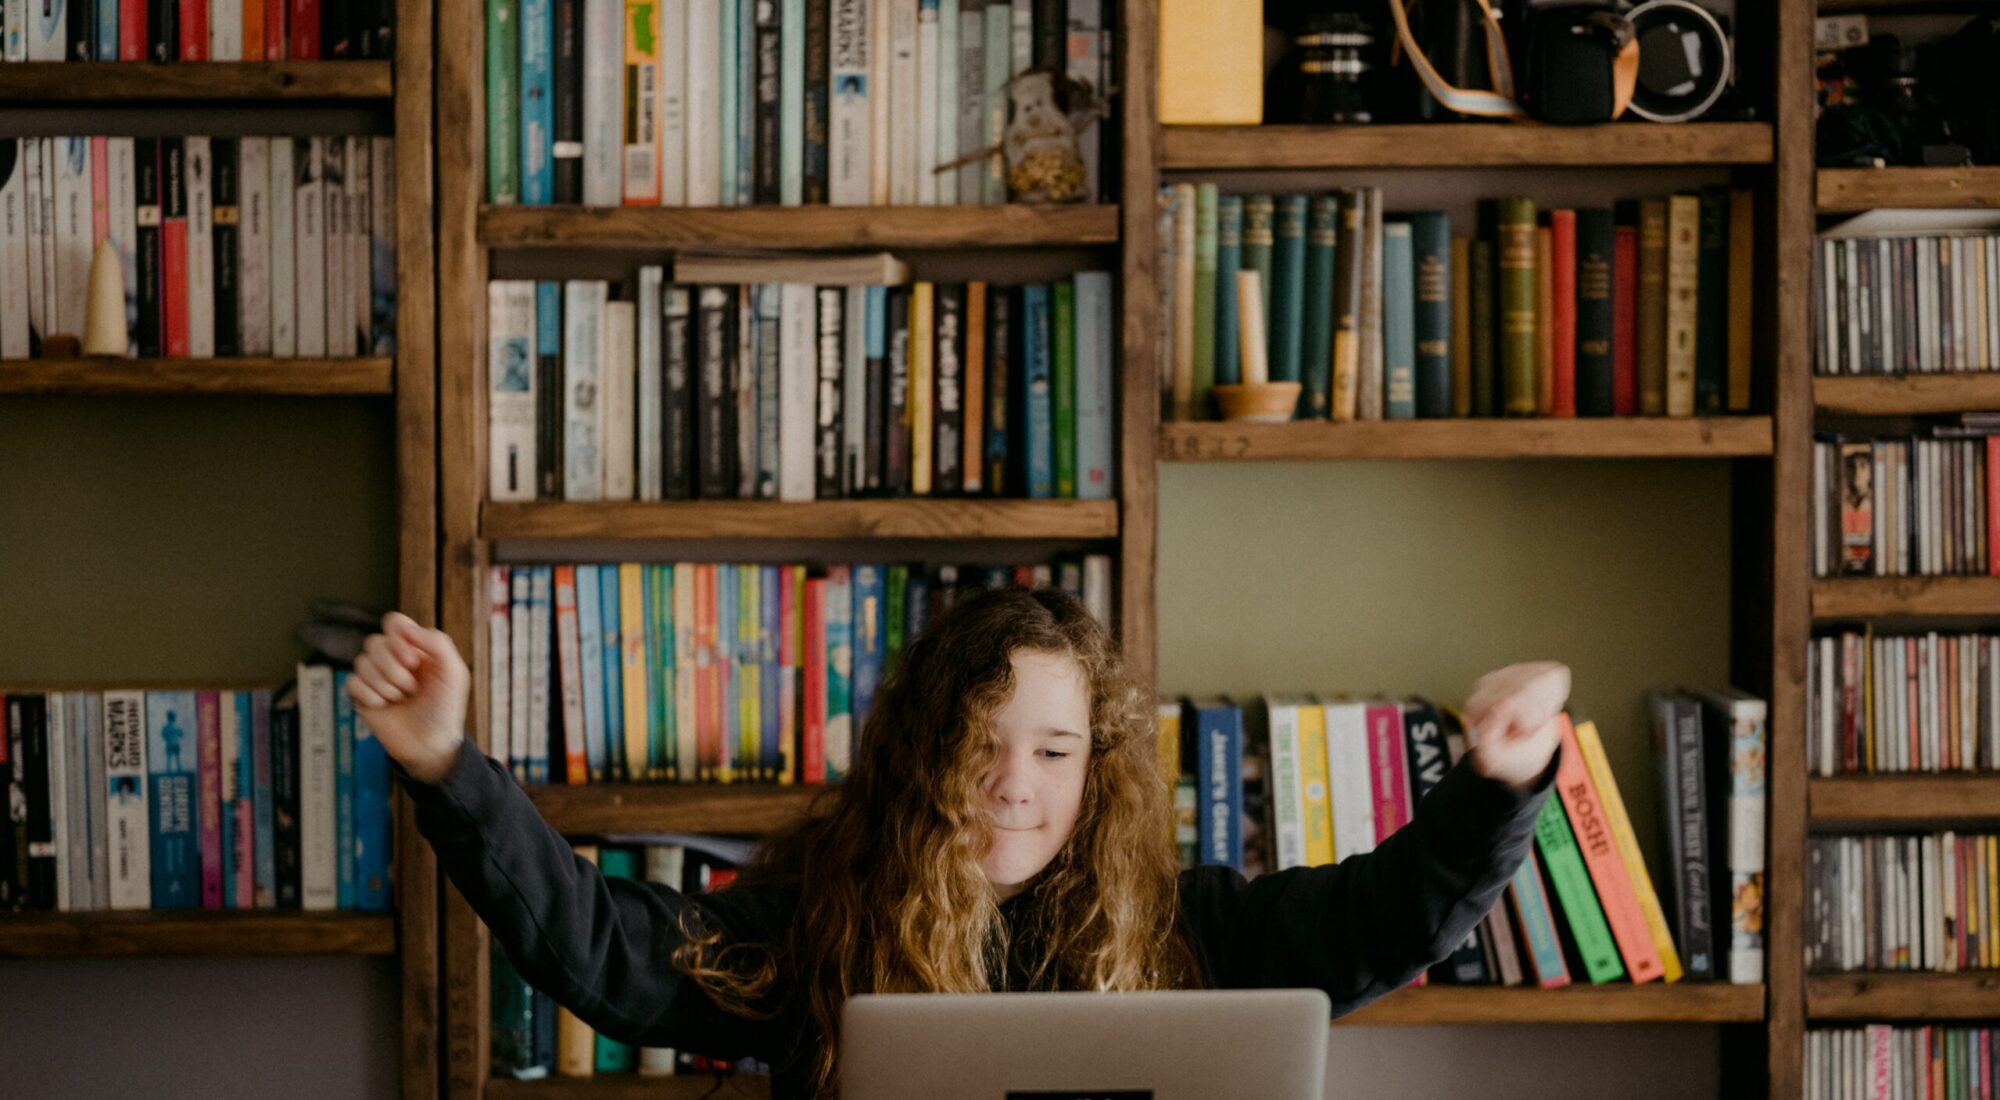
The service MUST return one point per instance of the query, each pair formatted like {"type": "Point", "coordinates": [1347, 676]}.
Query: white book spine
{"type": "Point", "coordinates": [583, 414]}
{"type": "Point", "coordinates": [1093, 386]}
{"type": "Point", "coordinates": [128, 835]}
{"type": "Point", "coordinates": [879, 19]}
{"type": "Point", "coordinates": [333, 202]}
{"type": "Point", "coordinates": [704, 103]}
{"type": "Point", "coordinates": [641, 160]}
{"type": "Point", "coordinates": [999, 69]}
{"type": "Point", "coordinates": [309, 247]}
{"type": "Point", "coordinates": [673, 102]}
{"type": "Point", "coordinates": [225, 29]}
{"type": "Point", "coordinates": [520, 582]}
{"type": "Point", "coordinates": [1024, 35]}
{"type": "Point", "coordinates": [122, 228]}
{"type": "Point", "coordinates": [942, 89]}
{"type": "Point", "coordinates": [13, 249]}
{"type": "Point", "coordinates": [971, 110]}
{"type": "Point", "coordinates": [253, 243]}
{"type": "Point", "coordinates": [927, 103]}
{"type": "Point", "coordinates": [854, 388]}
{"type": "Point", "coordinates": [903, 95]}
{"type": "Point", "coordinates": [540, 610]}
{"type": "Point", "coordinates": [798, 381]}
{"type": "Point", "coordinates": [14, 28]}
{"type": "Point", "coordinates": [499, 665]}
{"type": "Point", "coordinates": [603, 99]}
{"type": "Point", "coordinates": [510, 389]}
{"type": "Point", "coordinates": [850, 157]}
{"type": "Point", "coordinates": [651, 473]}
{"type": "Point", "coordinates": [1097, 588]}
{"type": "Point", "coordinates": [48, 28]}
{"type": "Point", "coordinates": [72, 233]}
{"type": "Point", "coordinates": [382, 246]}
{"type": "Point", "coordinates": [359, 238]}
{"type": "Point", "coordinates": [1086, 26]}
{"type": "Point", "coordinates": [201, 249]}
{"type": "Point", "coordinates": [619, 414]}
{"type": "Point", "coordinates": [1286, 817]}
{"type": "Point", "coordinates": [41, 241]}
{"type": "Point", "coordinates": [318, 869]}
{"type": "Point", "coordinates": [76, 818]}
{"type": "Point", "coordinates": [284, 247]}
{"type": "Point", "coordinates": [58, 750]}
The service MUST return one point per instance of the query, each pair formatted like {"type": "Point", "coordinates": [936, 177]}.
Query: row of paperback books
{"type": "Point", "coordinates": [194, 800]}
{"type": "Point", "coordinates": [796, 392]}
{"type": "Point", "coordinates": [1915, 506]}
{"type": "Point", "coordinates": [534, 1037]}
{"type": "Point", "coordinates": [1908, 305]}
{"type": "Point", "coordinates": [766, 102]}
{"type": "Point", "coordinates": [1879, 703]}
{"type": "Point", "coordinates": [1289, 781]}
{"type": "Point", "coordinates": [698, 672]}
{"type": "Point", "coordinates": [1883, 1061]}
{"type": "Point", "coordinates": [1643, 309]}
{"type": "Point", "coordinates": [255, 246]}
{"type": "Point", "coordinates": [198, 30]}
{"type": "Point", "coordinates": [1922, 902]}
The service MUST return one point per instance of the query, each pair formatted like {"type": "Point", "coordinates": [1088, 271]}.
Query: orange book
{"type": "Point", "coordinates": [253, 30]}
{"type": "Point", "coordinates": [576, 763]}
{"type": "Point", "coordinates": [1600, 854]}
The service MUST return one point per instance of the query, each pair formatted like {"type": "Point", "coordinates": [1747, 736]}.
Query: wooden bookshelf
{"type": "Point", "coordinates": [1849, 190]}
{"type": "Point", "coordinates": [742, 809]}
{"type": "Point", "coordinates": [109, 376]}
{"type": "Point", "coordinates": [220, 934]}
{"type": "Point", "coordinates": [224, 83]}
{"type": "Point", "coordinates": [825, 519]}
{"type": "Point", "coordinates": [1877, 996]}
{"type": "Point", "coordinates": [1906, 394]}
{"type": "Point", "coordinates": [1635, 437]}
{"type": "Point", "coordinates": [696, 1086]}
{"type": "Point", "coordinates": [1886, 801]}
{"type": "Point", "coordinates": [1461, 145]}
{"type": "Point", "coordinates": [1879, 597]}
{"type": "Point", "coordinates": [1618, 1003]}
{"type": "Point", "coordinates": [799, 227]}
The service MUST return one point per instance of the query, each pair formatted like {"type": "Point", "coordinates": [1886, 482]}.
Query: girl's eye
{"type": "Point", "coordinates": [1052, 754]}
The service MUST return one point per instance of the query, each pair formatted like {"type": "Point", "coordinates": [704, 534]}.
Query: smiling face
{"type": "Point", "coordinates": [1035, 787]}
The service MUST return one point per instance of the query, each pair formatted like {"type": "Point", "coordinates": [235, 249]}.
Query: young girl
{"type": "Point", "coordinates": [1004, 827]}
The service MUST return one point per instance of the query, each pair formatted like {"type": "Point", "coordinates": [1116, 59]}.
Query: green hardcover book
{"type": "Point", "coordinates": [1286, 289]}
{"type": "Point", "coordinates": [1519, 353]}
{"type": "Point", "coordinates": [1711, 317]}
{"type": "Point", "coordinates": [1316, 343]}
{"type": "Point", "coordinates": [1347, 276]}
{"type": "Point", "coordinates": [512, 1012]}
{"type": "Point", "coordinates": [612, 1055]}
{"type": "Point", "coordinates": [1593, 311]}
{"type": "Point", "coordinates": [1228, 257]}
{"type": "Point", "coordinates": [895, 598]}
{"type": "Point", "coordinates": [660, 616]}
{"type": "Point", "coordinates": [1579, 900]}
{"type": "Point", "coordinates": [1062, 380]}
{"type": "Point", "coordinates": [1652, 336]}
{"type": "Point", "coordinates": [1204, 299]}
{"type": "Point", "coordinates": [1258, 212]}
{"type": "Point", "coordinates": [1399, 325]}
{"type": "Point", "coordinates": [1430, 246]}
{"type": "Point", "coordinates": [503, 101]}
{"type": "Point", "coordinates": [1485, 388]}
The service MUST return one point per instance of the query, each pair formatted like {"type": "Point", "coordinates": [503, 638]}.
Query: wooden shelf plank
{"type": "Point", "coordinates": [1907, 394]}
{"type": "Point", "coordinates": [1899, 7]}
{"type": "Point", "coordinates": [1682, 1002]}
{"type": "Point", "coordinates": [829, 519]}
{"type": "Point", "coordinates": [1843, 190]}
{"type": "Point", "coordinates": [631, 1086]}
{"type": "Point", "coordinates": [1904, 799]}
{"type": "Point", "coordinates": [1018, 225]}
{"type": "Point", "coordinates": [1876, 995]}
{"type": "Point", "coordinates": [106, 376]}
{"type": "Point", "coordinates": [737, 809]}
{"type": "Point", "coordinates": [1624, 437]}
{"type": "Point", "coordinates": [179, 81]}
{"type": "Point", "coordinates": [1873, 597]}
{"type": "Point", "coordinates": [1461, 145]}
{"type": "Point", "coordinates": [68, 935]}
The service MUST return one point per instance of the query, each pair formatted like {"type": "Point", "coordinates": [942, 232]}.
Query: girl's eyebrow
{"type": "Point", "coordinates": [1064, 733]}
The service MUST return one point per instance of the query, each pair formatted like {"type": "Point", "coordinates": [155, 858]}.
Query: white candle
{"type": "Point", "coordinates": [1250, 328]}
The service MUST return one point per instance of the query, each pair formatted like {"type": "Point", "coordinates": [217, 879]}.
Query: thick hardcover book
{"type": "Point", "coordinates": [1285, 300]}
{"type": "Point", "coordinates": [1711, 355]}
{"type": "Point", "coordinates": [1518, 355]}
{"type": "Point", "coordinates": [1651, 337]}
{"type": "Point", "coordinates": [1677, 742]}
{"type": "Point", "coordinates": [948, 367]}
{"type": "Point", "coordinates": [1596, 290]}
{"type": "Point", "coordinates": [1316, 323]}
{"type": "Point", "coordinates": [1218, 749]}
{"type": "Point", "coordinates": [1682, 304]}
{"type": "Point", "coordinates": [1430, 246]}
{"type": "Point", "coordinates": [1561, 312]}
{"type": "Point", "coordinates": [1625, 315]}
{"type": "Point", "coordinates": [1399, 330]}
{"type": "Point", "coordinates": [1228, 257]}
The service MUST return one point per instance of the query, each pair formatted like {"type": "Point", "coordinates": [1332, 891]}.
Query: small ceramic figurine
{"type": "Point", "coordinates": [1043, 164]}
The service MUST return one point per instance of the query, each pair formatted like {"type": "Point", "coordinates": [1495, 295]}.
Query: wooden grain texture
{"type": "Point", "coordinates": [233, 82]}
{"type": "Point", "coordinates": [733, 809]}
{"type": "Point", "coordinates": [633, 1087]}
{"type": "Point", "coordinates": [182, 933]}
{"type": "Point", "coordinates": [1917, 800]}
{"type": "Point", "coordinates": [1462, 145]}
{"type": "Point", "coordinates": [111, 376]}
{"type": "Point", "coordinates": [1844, 190]}
{"type": "Point", "coordinates": [1625, 437]}
{"type": "Point", "coordinates": [1138, 350]}
{"type": "Point", "coordinates": [827, 519]}
{"type": "Point", "coordinates": [1870, 597]}
{"type": "Point", "coordinates": [1879, 996]}
{"type": "Point", "coordinates": [796, 228]}
{"type": "Point", "coordinates": [1907, 394]}
{"type": "Point", "coordinates": [1684, 1002]}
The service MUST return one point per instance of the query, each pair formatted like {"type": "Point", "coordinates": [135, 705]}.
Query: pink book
{"type": "Point", "coordinates": [1388, 769]}
{"type": "Point", "coordinates": [812, 740]}
{"type": "Point", "coordinates": [208, 817]}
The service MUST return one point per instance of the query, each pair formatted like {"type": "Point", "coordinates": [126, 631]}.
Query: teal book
{"type": "Point", "coordinates": [1711, 330]}
{"type": "Point", "coordinates": [1204, 299]}
{"type": "Point", "coordinates": [343, 791]}
{"type": "Point", "coordinates": [1430, 247]}
{"type": "Point", "coordinates": [503, 101]}
{"type": "Point", "coordinates": [1287, 288]}
{"type": "Point", "coordinates": [1228, 257]}
{"type": "Point", "coordinates": [1062, 386]}
{"type": "Point", "coordinates": [590, 656]}
{"type": "Point", "coordinates": [1038, 449]}
{"type": "Point", "coordinates": [1258, 212]}
{"type": "Point", "coordinates": [1316, 312]}
{"type": "Point", "coordinates": [609, 618]}
{"type": "Point", "coordinates": [734, 57]}
{"type": "Point", "coordinates": [1577, 897]}
{"type": "Point", "coordinates": [1399, 323]}
{"type": "Point", "coordinates": [612, 1055]}
{"type": "Point", "coordinates": [174, 823]}
{"type": "Point", "coordinates": [1537, 925]}
{"type": "Point", "coordinates": [792, 103]}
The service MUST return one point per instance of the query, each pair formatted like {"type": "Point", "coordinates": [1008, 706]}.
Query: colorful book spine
{"type": "Point", "coordinates": [813, 686]}
{"type": "Point", "coordinates": [634, 660]}
{"type": "Point", "coordinates": [1651, 337]}
{"type": "Point", "coordinates": [1561, 311]}
{"type": "Point", "coordinates": [610, 624]}
{"type": "Point", "coordinates": [372, 830]}
{"type": "Point", "coordinates": [1038, 441]}
{"type": "Point", "coordinates": [1566, 872]}
{"type": "Point", "coordinates": [839, 626]}
{"type": "Point", "coordinates": [1388, 769]}
{"type": "Point", "coordinates": [1593, 833]}
{"type": "Point", "coordinates": [126, 777]}
{"type": "Point", "coordinates": [208, 815]}
{"type": "Point", "coordinates": [536, 88]}
{"type": "Point", "coordinates": [1316, 803]}
{"type": "Point", "coordinates": [1219, 782]}
{"type": "Point", "coordinates": [1347, 279]}
{"type": "Point", "coordinates": [1612, 806]}
{"type": "Point", "coordinates": [590, 657]}
{"type": "Point", "coordinates": [264, 891]}
{"type": "Point", "coordinates": [171, 757]}
{"type": "Point", "coordinates": [1532, 913]}
{"type": "Point", "coordinates": [343, 792]}
{"type": "Point", "coordinates": [1737, 762]}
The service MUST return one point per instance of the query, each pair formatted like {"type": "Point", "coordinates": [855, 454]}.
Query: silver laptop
{"type": "Point", "coordinates": [1269, 1044]}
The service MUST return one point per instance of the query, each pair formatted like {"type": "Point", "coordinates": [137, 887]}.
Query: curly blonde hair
{"type": "Point", "coordinates": [892, 898]}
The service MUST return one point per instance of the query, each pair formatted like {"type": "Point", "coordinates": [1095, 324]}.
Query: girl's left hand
{"type": "Point", "coordinates": [1511, 720]}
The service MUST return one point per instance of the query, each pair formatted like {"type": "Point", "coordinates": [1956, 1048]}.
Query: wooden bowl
{"type": "Point", "coordinates": [1258, 402]}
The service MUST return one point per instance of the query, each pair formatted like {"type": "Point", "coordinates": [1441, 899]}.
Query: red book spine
{"type": "Point", "coordinates": [1607, 869]}
{"type": "Point", "coordinates": [274, 28]}
{"type": "Point", "coordinates": [173, 249]}
{"type": "Point", "coordinates": [304, 37]}
{"type": "Point", "coordinates": [1387, 769]}
{"type": "Point", "coordinates": [1625, 321]}
{"type": "Point", "coordinates": [1562, 310]}
{"type": "Point", "coordinates": [208, 750]}
{"type": "Point", "coordinates": [194, 30]}
{"type": "Point", "coordinates": [812, 731]}
{"type": "Point", "coordinates": [132, 31]}
{"type": "Point", "coordinates": [569, 658]}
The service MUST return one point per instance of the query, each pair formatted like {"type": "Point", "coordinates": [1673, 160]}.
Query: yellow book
{"type": "Point", "coordinates": [640, 163]}
{"type": "Point", "coordinates": [919, 407]}
{"type": "Point", "coordinates": [793, 683]}
{"type": "Point", "coordinates": [1683, 278]}
{"type": "Point", "coordinates": [749, 674]}
{"type": "Point", "coordinates": [576, 1042]}
{"type": "Point", "coordinates": [1613, 805]}
{"type": "Point", "coordinates": [1742, 247]}
{"type": "Point", "coordinates": [1169, 738]}
{"type": "Point", "coordinates": [632, 662]}
{"type": "Point", "coordinates": [1313, 781]}
{"type": "Point", "coordinates": [1211, 62]}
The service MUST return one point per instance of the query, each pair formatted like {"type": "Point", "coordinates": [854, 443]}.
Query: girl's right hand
{"type": "Point", "coordinates": [410, 686]}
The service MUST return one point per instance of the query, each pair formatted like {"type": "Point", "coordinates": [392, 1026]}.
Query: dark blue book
{"type": "Point", "coordinates": [1430, 244]}
{"type": "Point", "coordinates": [1218, 773]}
{"type": "Point", "coordinates": [871, 640]}
{"type": "Point", "coordinates": [371, 820]}
{"type": "Point", "coordinates": [175, 810]}
{"type": "Point", "coordinates": [343, 791]}
{"type": "Point", "coordinates": [1595, 237]}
